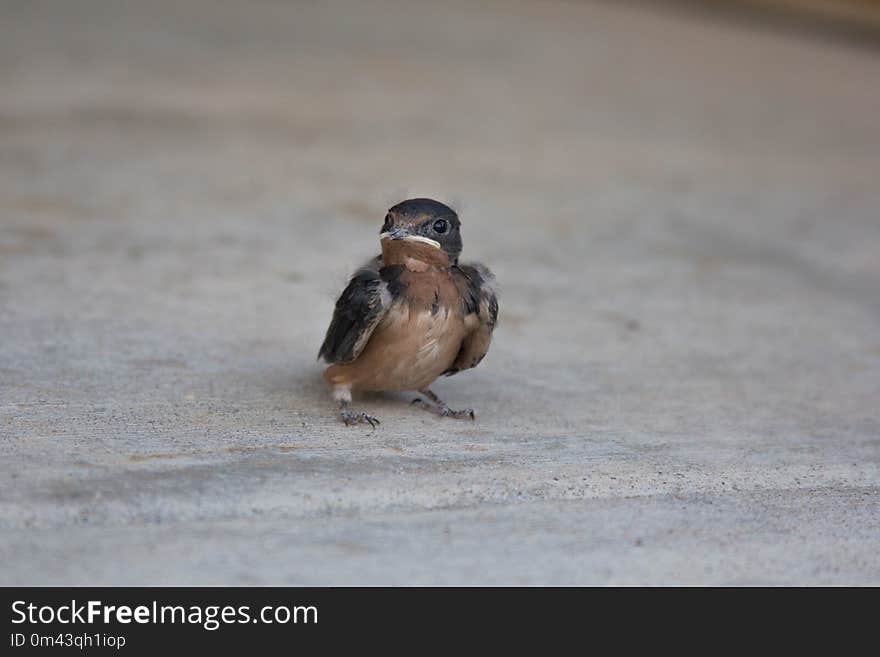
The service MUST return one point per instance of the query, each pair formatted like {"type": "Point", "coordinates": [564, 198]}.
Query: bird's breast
{"type": "Point", "coordinates": [416, 341]}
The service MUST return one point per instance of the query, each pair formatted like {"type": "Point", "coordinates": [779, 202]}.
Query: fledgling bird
{"type": "Point", "coordinates": [410, 314]}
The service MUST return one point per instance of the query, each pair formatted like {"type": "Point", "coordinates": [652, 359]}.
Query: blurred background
{"type": "Point", "coordinates": [680, 200]}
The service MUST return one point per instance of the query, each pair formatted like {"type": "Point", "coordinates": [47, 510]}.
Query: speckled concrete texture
{"type": "Point", "coordinates": [683, 213]}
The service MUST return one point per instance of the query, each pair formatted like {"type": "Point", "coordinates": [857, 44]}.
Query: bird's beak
{"type": "Point", "coordinates": [405, 234]}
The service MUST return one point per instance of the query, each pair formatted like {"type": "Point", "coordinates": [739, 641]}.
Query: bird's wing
{"type": "Point", "coordinates": [480, 298]}
{"type": "Point", "coordinates": [360, 308]}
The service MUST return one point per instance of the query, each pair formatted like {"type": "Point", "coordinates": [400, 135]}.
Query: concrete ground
{"type": "Point", "coordinates": [683, 212]}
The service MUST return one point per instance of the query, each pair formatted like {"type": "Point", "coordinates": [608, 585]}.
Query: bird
{"type": "Point", "coordinates": [410, 314]}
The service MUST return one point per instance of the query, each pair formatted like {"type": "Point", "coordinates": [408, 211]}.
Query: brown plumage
{"type": "Point", "coordinates": [411, 314]}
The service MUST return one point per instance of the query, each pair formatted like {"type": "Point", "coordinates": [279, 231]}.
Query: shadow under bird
{"type": "Point", "coordinates": [411, 314]}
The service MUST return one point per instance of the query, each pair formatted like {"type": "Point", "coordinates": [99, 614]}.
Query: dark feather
{"type": "Point", "coordinates": [359, 309]}
{"type": "Point", "coordinates": [477, 287]}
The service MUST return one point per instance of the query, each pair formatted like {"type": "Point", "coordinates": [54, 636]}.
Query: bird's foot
{"type": "Point", "coordinates": [443, 410]}
{"type": "Point", "coordinates": [357, 417]}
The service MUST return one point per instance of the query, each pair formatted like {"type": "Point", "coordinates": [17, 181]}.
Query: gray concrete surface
{"type": "Point", "coordinates": [684, 214]}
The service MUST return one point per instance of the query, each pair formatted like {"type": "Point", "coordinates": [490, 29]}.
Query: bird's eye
{"type": "Point", "coordinates": [440, 226]}
{"type": "Point", "coordinates": [388, 223]}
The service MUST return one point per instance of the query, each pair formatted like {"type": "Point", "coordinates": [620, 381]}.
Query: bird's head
{"type": "Point", "coordinates": [423, 230]}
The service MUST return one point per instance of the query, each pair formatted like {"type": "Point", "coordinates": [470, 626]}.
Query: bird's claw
{"type": "Point", "coordinates": [445, 411]}
{"type": "Point", "coordinates": [355, 417]}
{"type": "Point", "coordinates": [463, 414]}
